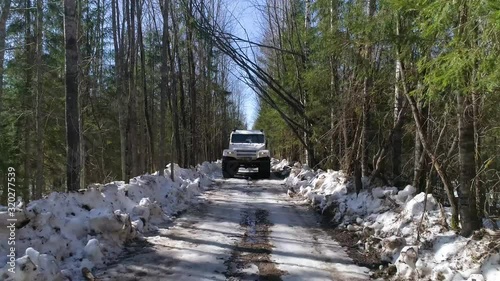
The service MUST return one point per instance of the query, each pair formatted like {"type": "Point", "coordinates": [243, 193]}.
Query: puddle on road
{"type": "Point", "coordinates": [251, 256]}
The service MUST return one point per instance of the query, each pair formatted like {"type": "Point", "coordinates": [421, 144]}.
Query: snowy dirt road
{"type": "Point", "coordinates": [242, 230]}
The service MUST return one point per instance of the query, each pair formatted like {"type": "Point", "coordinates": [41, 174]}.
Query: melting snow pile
{"type": "Point", "coordinates": [209, 171]}
{"type": "Point", "coordinates": [280, 167]}
{"type": "Point", "coordinates": [58, 236]}
{"type": "Point", "coordinates": [389, 219]}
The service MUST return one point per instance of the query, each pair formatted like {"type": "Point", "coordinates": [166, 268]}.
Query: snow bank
{"type": "Point", "coordinates": [280, 167]}
{"type": "Point", "coordinates": [60, 235]}
{"type": "Point", "coordinates": [389, 219]}
{"type": "Point", "coordinates": [210, 171]}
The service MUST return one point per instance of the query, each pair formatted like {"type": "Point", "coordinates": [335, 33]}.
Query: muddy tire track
{"type": "Point", "coordinates": [251, 256]}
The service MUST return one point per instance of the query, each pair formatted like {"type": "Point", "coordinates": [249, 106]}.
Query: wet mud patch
{"type": "Point", "coordinates": [251, 256]}
{"type": "Point", "coordinates": [349, 240]}
{"type": "Point", "coordinates": [124, 264]}
{"type": "Point", "coordinates": [132, 248]}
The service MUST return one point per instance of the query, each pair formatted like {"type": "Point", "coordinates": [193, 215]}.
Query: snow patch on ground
{"type": "Point", "coordinates": [63, 233]}
{"type": "Point", "coordinates": [389, 219]}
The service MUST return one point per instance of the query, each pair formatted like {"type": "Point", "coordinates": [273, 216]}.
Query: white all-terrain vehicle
{"type": "Point", "coordinates": [247, 148]}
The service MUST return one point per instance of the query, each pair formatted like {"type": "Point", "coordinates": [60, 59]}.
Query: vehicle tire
{"type": "Point", "coordinates": [228, 169]}
{"type": "Point", "coordinates": [226, 175]}
{"type": "Point", "coordinates": [265, 170]}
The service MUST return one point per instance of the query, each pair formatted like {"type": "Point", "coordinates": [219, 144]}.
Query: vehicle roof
{"type": "Point", "coordinates": [248, 132]}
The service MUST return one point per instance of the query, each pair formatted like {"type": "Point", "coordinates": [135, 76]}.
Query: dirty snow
{"type": "Point", "coordinates": [280, 167]}
{"type": "Point", "coordinates": [243, 230]}
{"type": "Point", "coordinates": [58, 236]}
{"type": "Point", "coordinates": [62, 234]}
{"type": "Point", "coordinates": [388, 218]}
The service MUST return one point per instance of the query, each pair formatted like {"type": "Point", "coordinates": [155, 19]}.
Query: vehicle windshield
{"type": "Point", "coordinates": [247, 138]}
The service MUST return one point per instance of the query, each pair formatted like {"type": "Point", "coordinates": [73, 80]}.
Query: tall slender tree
{"type": "Point", "coordinates": [4, 15]}
{"type": "Point", "coordinates": [193, 94]}
{"type": "Point", "coordinates": [466, 139]}
{"type": "Point", "coordinates": [163, 86]}
{"type": "Point", "coordinates": [28, 81]}
{"type": "Point", "coordinates": [39, 116]}
{"type": "Point", "coordinates": [72, 111]}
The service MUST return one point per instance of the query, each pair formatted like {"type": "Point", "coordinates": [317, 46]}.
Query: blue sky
{"type": "Point", "coordinates": [248, 16]}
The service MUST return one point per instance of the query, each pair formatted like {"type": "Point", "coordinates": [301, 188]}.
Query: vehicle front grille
{"type": "Point", "coordinates": [246, 153]}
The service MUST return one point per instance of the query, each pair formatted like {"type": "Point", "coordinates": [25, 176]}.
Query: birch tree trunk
{"type": "Point", "coordinates": [421, 159]}
{"type": "Point", "coordinates": [398, 102]}
{"type": "Point", "coordinates": [309, 147]}
{"type": "Point", "coordinates": [367, 89]}
{"type": "Point", "coordinates": [333, 85]}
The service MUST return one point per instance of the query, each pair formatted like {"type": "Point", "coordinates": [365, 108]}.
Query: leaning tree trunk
{"type": "Point", "coordinates": [421, 159]}
{"type": "Point", "coordinates": [72, 124]}
{"type": "Point", "coordinates": [426, 147]}
{"type": "Point", "coordinates": [418, 156]}
{"type": "Point", "coordinates": [437, 165]}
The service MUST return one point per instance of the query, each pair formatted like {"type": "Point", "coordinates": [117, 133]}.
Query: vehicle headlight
{"type": "Point", "coordinates": [263, 153]}
{"type": "Point", "coordinates": [229, 153]}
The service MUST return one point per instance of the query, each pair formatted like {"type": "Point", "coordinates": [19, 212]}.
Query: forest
{"type": "Point", "coordinates": [149, 90]}
{"type": "Point", "coordinates": [398, 92]}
